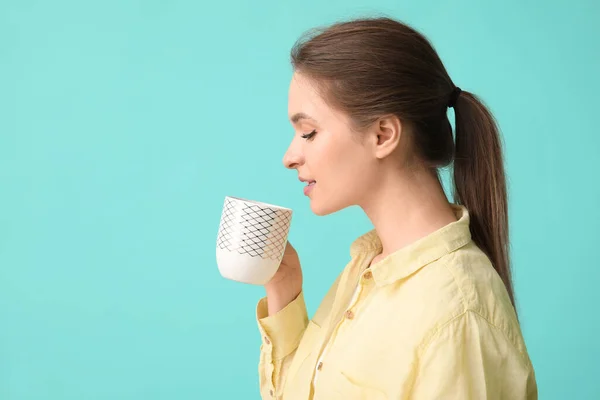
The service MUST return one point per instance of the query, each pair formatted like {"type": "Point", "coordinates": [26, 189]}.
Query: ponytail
{"type": "Point", "coordinates": [480, 182]}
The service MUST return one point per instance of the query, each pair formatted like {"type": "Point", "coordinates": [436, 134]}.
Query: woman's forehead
{"type": "Point", "coordinates": [305, 103]}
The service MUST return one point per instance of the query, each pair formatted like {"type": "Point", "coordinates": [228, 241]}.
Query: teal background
{"type": "Point", "coordinates": [123, 124]}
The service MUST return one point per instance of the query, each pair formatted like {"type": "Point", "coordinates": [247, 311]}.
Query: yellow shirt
{"type": "Point", "coordinates": [430, 321]}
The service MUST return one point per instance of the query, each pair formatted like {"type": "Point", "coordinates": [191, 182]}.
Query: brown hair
{"type": "Point", "coordinates": [373, 67]}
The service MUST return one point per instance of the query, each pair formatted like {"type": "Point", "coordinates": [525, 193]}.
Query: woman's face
{"type": "Point", "coordinates": [326, 151]}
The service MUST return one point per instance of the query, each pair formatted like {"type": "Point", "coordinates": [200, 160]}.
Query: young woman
{"type": "Point", "coordinates": [425, 308]}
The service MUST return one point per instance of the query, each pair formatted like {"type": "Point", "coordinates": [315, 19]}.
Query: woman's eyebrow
{"type": "Point", "coordinates": [300, 116]}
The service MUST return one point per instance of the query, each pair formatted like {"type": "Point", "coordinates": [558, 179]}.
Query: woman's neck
{"type": "Point", "coordinates": [407, 207]}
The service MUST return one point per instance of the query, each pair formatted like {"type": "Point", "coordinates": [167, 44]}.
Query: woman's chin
{"type": "Point", "coordinates": [321, 209]}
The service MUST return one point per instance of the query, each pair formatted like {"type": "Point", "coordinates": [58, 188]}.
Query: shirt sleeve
{"type": "Point", "coordinates": [281, 334]}
{"type": "Point", "coordinates": [469, 358]}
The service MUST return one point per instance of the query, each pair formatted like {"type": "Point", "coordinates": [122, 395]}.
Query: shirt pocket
{"type": "Point", "coordinates": [339, 386]}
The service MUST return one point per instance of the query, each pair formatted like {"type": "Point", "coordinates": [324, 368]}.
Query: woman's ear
{"type": "Point", "coordinates": [386, 135]}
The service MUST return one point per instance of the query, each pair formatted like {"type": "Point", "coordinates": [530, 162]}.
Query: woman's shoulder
{"type": "Point", "coordinates": [465, 282]}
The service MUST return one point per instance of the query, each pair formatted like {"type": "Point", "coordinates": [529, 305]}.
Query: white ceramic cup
{"type": "Point", "coordinates": [251, 240]}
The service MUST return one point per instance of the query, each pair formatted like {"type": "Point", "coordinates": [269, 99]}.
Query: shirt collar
{"type": "Point", "coordinates": [413, 257]}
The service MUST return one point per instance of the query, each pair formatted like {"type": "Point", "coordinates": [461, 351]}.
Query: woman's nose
{"type": "Point", "coordinates": [292, 158]}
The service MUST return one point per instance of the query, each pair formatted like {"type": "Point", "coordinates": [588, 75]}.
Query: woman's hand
{"type": "Point", "coordinates": [286, 284]}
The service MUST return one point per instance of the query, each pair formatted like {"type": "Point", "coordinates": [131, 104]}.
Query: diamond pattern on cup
{"type": "Point", "coordinates": [227, 219]}
{"type": "Point", "coordinates": [263, 230]}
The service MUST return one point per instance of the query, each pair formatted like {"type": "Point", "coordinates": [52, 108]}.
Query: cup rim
{"type": "Point", "coordinates": [260, 203]}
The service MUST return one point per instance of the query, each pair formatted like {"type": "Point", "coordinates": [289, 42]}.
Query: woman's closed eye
{"type": "Point", "coordinates": [310, 135]}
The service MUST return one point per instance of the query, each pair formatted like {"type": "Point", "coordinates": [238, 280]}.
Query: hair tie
{"type": "Point", "coordinates": [454, 96]}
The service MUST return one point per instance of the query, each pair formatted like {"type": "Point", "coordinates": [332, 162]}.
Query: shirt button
{"type": "Point", "coordinates": [271, 392]}
{"type": "Point", "coordinates": [267, 341]}
{"type": "Point", "coordinates": [349, 314]}
{"type": "Point", "coordinates": [368, 275]}
{"type": "Point", "coordinates": [319, 366]}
